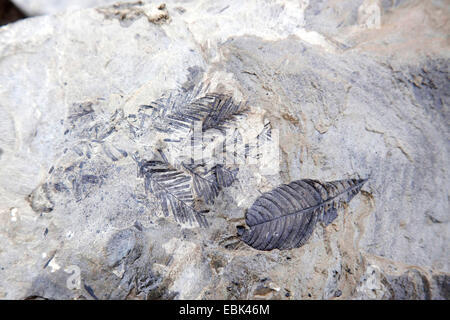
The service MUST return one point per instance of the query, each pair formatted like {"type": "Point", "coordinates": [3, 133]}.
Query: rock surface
{"type": "Point", "coordinates": [362, 95]}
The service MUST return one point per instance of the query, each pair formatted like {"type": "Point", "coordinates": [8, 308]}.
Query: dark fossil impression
{"type": "Point", "coordinates": [285, 217]}
{"type": "Point", "coordinates": [179, 187]}
{"type": "Point", "coordinates": [178, 112]}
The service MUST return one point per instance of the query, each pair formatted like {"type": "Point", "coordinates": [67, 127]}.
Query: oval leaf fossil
{"type": "Point", "coordinates": [285, 217]}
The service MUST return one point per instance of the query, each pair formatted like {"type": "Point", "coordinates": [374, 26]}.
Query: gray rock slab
{"type": "Point", "coordinates": [348, 100]}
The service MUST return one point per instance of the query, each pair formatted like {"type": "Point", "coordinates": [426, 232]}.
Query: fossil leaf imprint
{"type": "Point", "coordinates": [285, 217]}
{"type": "Point", "coordinates": [172, 188]}
{"type": "Point", "coordinates": [178, 189]}
{"type": "Point", "coordinates": [178, 112]}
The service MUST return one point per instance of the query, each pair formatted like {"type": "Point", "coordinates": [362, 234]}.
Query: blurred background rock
{"type": "Point", "coordinates": [42, 7]}
{"type": "Point", "coordinates": [9, 12]}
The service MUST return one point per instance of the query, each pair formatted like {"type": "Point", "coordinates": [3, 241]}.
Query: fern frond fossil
{"type": "Point", "coordinates": [172, 188]}
{"type": "Point", "coordinates": [285, 217]}
{"type": "Point", "coordinates": [178, 188]}
{"type": "Point", "coordinates": [178, 112]}
{"type": "Point", "coordinates": [222, 109]}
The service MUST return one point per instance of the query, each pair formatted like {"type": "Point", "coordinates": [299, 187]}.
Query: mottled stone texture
{"type": "Point", "coordinates": [359, 96]}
